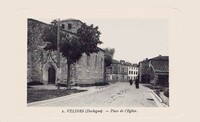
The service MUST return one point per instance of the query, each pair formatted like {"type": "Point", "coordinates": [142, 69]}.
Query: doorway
{"type": "Point", "coordinates": [51, 75]}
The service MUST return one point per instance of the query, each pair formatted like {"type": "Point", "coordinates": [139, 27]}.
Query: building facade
{"type": "Point", "coordinates": [155, 70]}
{"type": "Point", "coordinates": [117, 71]}
{"type": "Point", "coordinates": [132, 71]}
{"type": "Point", "coordinates": [159, 70]}
{"type": "Point", "coordinates": [50, 67]}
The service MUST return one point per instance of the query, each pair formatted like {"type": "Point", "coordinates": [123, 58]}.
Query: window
{"type": "Point", "coordinates": [63, 26]}
{"type": "Point", "coordinates": [69, 26]}
{"type": "Point", "coordinates": [111, 69]}
{"type": "Point", "coordinates": [122, 69]}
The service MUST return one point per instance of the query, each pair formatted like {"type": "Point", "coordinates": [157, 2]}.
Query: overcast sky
{"type": "Point", "coordinates": [133, 39]}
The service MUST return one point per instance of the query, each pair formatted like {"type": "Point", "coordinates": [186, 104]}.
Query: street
{"type": "Point", "coordinates": [119, 94]}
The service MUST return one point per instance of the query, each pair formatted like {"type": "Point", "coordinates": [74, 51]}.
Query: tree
{"type": "Point", "coordinates": [50, 36]}
{"type": "Point", "coordinates": [109, 53]}
{"type": "Point", "coordinates": [72, 48]}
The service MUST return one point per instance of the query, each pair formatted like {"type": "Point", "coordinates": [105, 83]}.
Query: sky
{"type": "Point", "coordinates": [133, 39]}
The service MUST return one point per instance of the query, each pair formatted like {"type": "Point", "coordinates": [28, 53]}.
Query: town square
{"type": "Point", "coordinates": [66, 66]}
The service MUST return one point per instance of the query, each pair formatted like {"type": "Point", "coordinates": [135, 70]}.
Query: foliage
{"type": "Point", "coordinates": [72, 47]}
{"type": "Point", "coordinates": [101, 83]}
{"type": "Point", "coordinates": [109, 53]}
{"type": "Point", "coordinates": [88, 37]}
{"type": "Point", "coordinates": [85, 41]}
{"type": "Point", "coordinates": [61, 85]}
{"type": "Point", "coordinates": [32, 83]}
{"type": "Point", "coordinates": [166, 93]}
{"type": "Point", "coordinates": [95, 84]}
{"type": "Point", "coordinates": [50, 37]}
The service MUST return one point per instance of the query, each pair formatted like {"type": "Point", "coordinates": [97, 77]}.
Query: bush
{"type": "Point", "coordinates": [85, 85]}
{"type": "Point", "coordinates": [76, 84]}
{"type": "Point", "coordinates": [61, 85]}
{"type": "Point", "coordinates": [95, 84]}
{"type": "Point", "coordinates": [162, 89]}
{"type": "Point", "coordinates": [157, 92]}
{"type": "Point", "coordinates": [34, 83]}
{"type": "Point", "coordinates": [101, 83]}
{"type": "Point", "coordinates": [166, 93]}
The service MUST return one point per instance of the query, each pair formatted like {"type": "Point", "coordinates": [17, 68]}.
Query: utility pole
{"type": "Point", "coordinates": [58, 42]}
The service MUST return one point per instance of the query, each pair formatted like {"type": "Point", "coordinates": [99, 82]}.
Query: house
{"type": "Point", "coordinates": [132, 71]}
{"type": "Point", "coordinates": [117, 71]}
{"type": "Point", "coordinates": [50, 67]}
{"type": "Point", "coordinates": [159, 70]}
{"type": "Point", "coordinates": [155, 70]}
{"type": "Point", "coordinates": [144, 71]}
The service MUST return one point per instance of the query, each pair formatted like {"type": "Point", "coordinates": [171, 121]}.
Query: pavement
{"type": "Point", "coordinates": [119, 94]}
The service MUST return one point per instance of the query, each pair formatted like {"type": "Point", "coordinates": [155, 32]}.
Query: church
{"type": "Point", "coordinates": [50, 67]}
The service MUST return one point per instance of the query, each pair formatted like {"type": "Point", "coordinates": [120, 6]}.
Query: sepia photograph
{"type": "Point", "coordinates": [97, 62]}
{"type": "Point", "coordinates": [108, 60]}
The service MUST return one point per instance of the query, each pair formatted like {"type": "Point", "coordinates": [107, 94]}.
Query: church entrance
{"type": "Point", "coordinates": [51, 75]}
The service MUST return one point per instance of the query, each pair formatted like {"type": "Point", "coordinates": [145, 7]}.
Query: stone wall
{"type": "Point", "coordinates": [35, 53]}
{"type": "Point", "coordinates": [88, 70]}
{"type": "Point", "coordinates": [117, 72]}
{"type": "Point", "coordinates": [144, 71]}
{"type": "Point", "coordinates": [71, 25]}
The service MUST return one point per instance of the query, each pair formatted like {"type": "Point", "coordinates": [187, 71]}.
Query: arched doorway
{"type": "Point", "coordinates": [51, 75]}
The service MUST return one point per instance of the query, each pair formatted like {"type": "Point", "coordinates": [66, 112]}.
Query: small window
{"type": "Point", "coordinates": [63, 26]}
{"type": "Point", "coordinates": [69, 26]}
{"type": "Point", "coordinates": [111, 69]}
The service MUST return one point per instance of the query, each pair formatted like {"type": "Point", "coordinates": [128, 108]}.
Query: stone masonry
{"type": "Point", "coordinates": [46, 67]}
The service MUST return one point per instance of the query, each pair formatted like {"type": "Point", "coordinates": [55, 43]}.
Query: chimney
{"type": "Point", "coordinates": [122, 61]}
